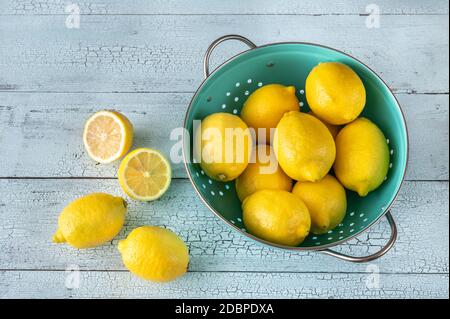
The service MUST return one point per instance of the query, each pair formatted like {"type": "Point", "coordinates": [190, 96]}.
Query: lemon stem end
{"type": "Point", "coordinates": [58, 237]}
{"type": "Point", "coordinates": [121, 245]}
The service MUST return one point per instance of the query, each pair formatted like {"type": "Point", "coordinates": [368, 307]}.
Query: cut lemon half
{"type": "Point", "coordinates": [107, 136]}
{"type": "Point", "coordinates": [144, 174]}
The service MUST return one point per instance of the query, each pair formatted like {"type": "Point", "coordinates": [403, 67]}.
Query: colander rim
{"type": "Point", "coordinates": [265, 242]}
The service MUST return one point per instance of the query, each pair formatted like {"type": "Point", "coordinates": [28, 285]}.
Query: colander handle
{"type": "Point", "coordinates": [219, 41]}
{"type": "Point", "coordinates": [378, 254]}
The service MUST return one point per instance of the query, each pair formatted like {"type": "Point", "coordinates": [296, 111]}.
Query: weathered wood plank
{"type": "Point", "coordinates": [41, 284]}
{"type": "Point", "coordinates": [49, 127]}
{"type": "Point", "coordinates": [223, 7]}
{"type": "Point", "coordinates": [29, 210]}
{"type": "Point", "coordinates": [126, 53]}
{"type": "Point", "coordinates": [119, 49]}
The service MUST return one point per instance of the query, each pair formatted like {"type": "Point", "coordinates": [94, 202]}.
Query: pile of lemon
{"type": "Point", "coordinates": [150, 252]}
{"type": "Point", "coordinates": [324, 151]}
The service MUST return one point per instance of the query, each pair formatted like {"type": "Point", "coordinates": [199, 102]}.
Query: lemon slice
{"type": "Point", "coordinates": [144, 174]}
{"type": "Point", "coordinates": [107, 136]}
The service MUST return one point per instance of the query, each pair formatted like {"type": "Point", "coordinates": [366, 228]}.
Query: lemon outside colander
{"type": "Point", "coordinates": [227, 88]}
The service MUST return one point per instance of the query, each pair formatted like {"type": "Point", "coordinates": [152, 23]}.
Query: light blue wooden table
{"type": "Point", "coordinates": [144, 58]}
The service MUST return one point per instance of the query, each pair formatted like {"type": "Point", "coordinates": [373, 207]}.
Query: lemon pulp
{"type": "Point", "coordinates": [107, 136]}
{"type": "Point", "coordinates": [144, 174]}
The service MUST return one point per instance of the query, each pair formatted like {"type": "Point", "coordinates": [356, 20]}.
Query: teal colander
{"type": "Point", "coordinates": [227, 88]}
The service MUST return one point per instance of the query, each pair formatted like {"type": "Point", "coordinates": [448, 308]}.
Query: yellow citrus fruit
{"type": "Point", "coordinates": [362, 156]}
{"type": "Point", "coordinates": [91, 220]}
{"type": "Point", "coordinates": [154, 253]}
{"type": "Point", "coordinates": [264, 173]}
{"type": "Point", "coordinates": [107, 136]}
{"type": "Point", "coordinates": [335, 93]}
{"type": "Point", "coordinates": [223, 146]}
{"type": "Point", "coordinates": [277, 216]}
{"type": "Point", "coordinates": [265, 107]}
{"type": "Point", "coordinates": [144, 174]}
{"type": "Point", "coordinates": [304, 147]}
{"type": "Point", "coordinates": [326, 201]}
{"type": "Point", "coordinates": [334, 129]}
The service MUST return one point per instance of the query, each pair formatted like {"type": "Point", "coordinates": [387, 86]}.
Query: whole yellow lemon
{"type": "Point", "coordinates": [91, 220]}
{"type": "Point", "coordinates": [223, 146]}
{"type": "Point", "coordinates": [335, 93]}
{"type": "Point", "coordinates": [277, 216]}
{"type": "Point", "coordinates": [362, 156]}
{"type": "Point", "coordinates": [154, 253]}
{"type": "Point", "coordinates": [326, 201]}
{"type": "Point", "coordinates": [264, 173]}
{"type": "Point", "coordinates": [304, 147]}
{"type": "Point", "coordinates": [265, 107]}
{"type": "Point", "coordinates": [334, 129]}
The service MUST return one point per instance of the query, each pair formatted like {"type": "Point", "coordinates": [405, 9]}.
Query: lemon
{"type": "Point", "coordinates": [334, 129]}
{"type": "Point", "coordinates": [91, 220]}
{"type": "Point", "coordinates": [264, 173]}
{"type": "Point", "coordinates": [277, 216]}
{"type": "Point", "coordinates": [144, 174]}
{"type": "Point", "coordinates": [265, 107]}
{"type": "Point", "coordinates": [154, 253]}
{"type": "Point", "coordinates": [304, 147]}
{"type": "Point", "coordinates": [335, 93]}
{"type": "Point", "coordinates": [107, 136]}
{"type": "Point", "coordinates": [326, 201]}
{"type": "Point", "coordinates": [362, 157]}
{"type": "Point", "coordinates": [223, 146]}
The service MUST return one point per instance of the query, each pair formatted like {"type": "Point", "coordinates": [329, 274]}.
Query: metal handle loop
{"type": "Point", "coordinates": [378, 254]}
{"type": "Point", "coordinates": [219, 41]}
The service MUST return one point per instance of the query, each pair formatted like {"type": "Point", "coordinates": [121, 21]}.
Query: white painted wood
{"type": "Point", "coordinates": [49, 127]}
{"type": "Point", "coordinates": [29, 211]}
{"type": "Point", "coordinates": [157, 46]}
{"type": "Point", "coordinates": [126, 53]}
{"type": "Point", "coordinates": [41, 284]}
{"type": "Point", "coordinates": [223, 7]}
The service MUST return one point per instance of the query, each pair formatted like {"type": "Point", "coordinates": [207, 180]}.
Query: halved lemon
{"type": "Point", "coordinates": [144, 174]}
{"type": "Point", "coordinates": [107, 136]}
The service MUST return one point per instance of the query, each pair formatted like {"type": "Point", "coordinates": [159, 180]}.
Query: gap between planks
{"type": "Point", "coordinates": [397, 92]}
{"type": "Point", "coordinates": [237, 272]}
{"type": "Point", "coordinates": [173, 178]}
{"type": "Point", "coordinates": [227, 14]}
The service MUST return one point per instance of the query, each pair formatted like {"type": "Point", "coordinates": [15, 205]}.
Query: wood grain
{"type": "Point", "coordinates": [41, 284]}
{"type": "Point", "coordinates": [49, 127]}
{"type": "Point", "coordinates": [279, 7]}
{"type": "Point", "coordinates": [29, 211]}
{"type": "Point", "coordinates": [144, 58]}
{"type": "Point", "coordinates": [126, 53]}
